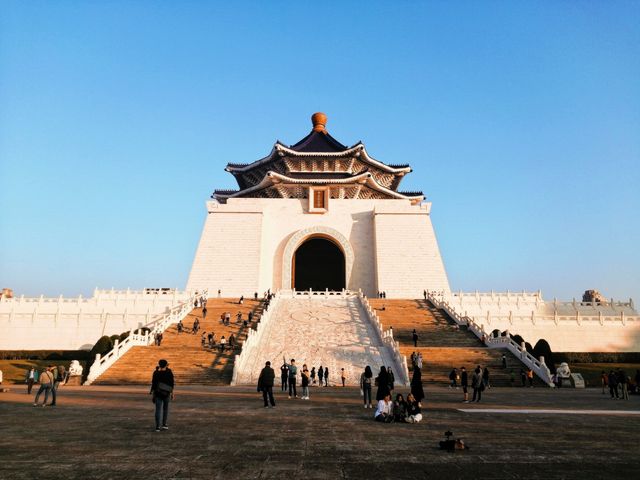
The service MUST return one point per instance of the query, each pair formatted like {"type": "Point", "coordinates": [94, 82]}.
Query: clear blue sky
{"type": "Point", "coordinates": [521, 121]}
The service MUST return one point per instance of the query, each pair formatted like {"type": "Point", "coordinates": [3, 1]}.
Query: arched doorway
{"type": "Point", "coordinates": [318, 264]}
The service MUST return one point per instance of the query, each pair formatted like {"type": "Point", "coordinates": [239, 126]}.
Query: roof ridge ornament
{"type": "Point", "coordinates": [319, 121]}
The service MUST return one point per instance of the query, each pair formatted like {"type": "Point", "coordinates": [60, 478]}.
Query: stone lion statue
{"type": "Point", "coordinates": [75, 368]}
{"type": "Point", "coordinates": [563, 370]}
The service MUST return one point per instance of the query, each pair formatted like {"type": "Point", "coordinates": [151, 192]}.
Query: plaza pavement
{"type": "Point", "coordinates": [225, 433]}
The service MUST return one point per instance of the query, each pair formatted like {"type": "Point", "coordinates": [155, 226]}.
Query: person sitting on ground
{"type": "Point", "coordinates": [223, 342]}
{"type": "Point", "coordinates": [384, 412]}
{"type": "Point", "coordinates": [232, 341]}
{"type": "Point", "coordinates": [414, 412]}
{"type": "Point", "coordinates": [180, 326]}
{"type": "Point", "coordinates": [241, 301]}
{"type": "Point", "coordinates": [203, 338]}
{"type": "Point", "coordinates": [209, 339]}
{"type": "Point", "coordinates": [239, 317]}
{"type": "Point", "coordinates": [399, 409]}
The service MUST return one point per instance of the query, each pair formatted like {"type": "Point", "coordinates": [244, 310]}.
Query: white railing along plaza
{"type": "Point", "coordinates": [138, 338]}
{"type": "Point", "coordinates": [254, 337]}
{"type": "Point", "coordinates": [386, 336]}
{"type": "Point", "coordinates": [538, 366]}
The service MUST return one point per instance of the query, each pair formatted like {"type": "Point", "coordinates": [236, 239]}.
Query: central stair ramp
{"type": "Point", "coordinates": [332, 329]}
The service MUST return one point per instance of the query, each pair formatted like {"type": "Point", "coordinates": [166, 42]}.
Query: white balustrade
{"type": "Point", "coordinates": [386, 337]}
{"type": "Point", "coordinates": [141, 336]}
{"type": "Point", "coordinates": [254, 337]}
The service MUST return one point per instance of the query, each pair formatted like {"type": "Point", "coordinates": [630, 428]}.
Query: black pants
{"type": "Point", "coordinates": [54, 392]}
{"type": "Point", "coordinates": [284, 383]}
{"type": "Point", "coordinates": [613, 390]}
{"type": "Point", "coordinates": [292, 387]}
{"type": "Point", "coordinates": [478, 392]}
{"type": "Point", "coordinates": [268, 391]}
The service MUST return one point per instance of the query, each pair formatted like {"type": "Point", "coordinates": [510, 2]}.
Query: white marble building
{"type": "Point", "coordinates": [318, 215]}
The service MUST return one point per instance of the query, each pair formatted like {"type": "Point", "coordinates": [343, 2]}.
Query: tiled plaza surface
{"type": "Point", "coordinates": [225, 433]}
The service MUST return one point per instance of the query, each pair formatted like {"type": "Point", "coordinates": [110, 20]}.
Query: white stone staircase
{"type": "Point", "coordinates": [332, 331]}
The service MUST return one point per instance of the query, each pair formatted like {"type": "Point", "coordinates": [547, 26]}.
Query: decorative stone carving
{"type": "Point", "coordinates": [593, 296]}
{"type": "Point", "coordinates": [75, 369]}
{"type": "Point", "coordinates": [563, 370]}
{"type": "Point", "coordinates": [301, 236]}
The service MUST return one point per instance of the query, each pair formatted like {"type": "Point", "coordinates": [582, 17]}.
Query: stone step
{"type": "Point", "coordinates": [189, 361]}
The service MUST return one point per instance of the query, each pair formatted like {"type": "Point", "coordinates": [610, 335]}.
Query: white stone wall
{"type": "Point", "coordinates": [567, 326]}
{"type": "Point", "coordinates": [243, 245]}
{"type": "Point", "coordinates": [407, 254]}
{"type": "Point", "coordinates": [228, 256]}
{"type": "Point", "coordinates": [77, 323]}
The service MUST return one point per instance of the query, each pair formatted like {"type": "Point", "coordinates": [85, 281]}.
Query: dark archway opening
{"type": "Point", "coordinates": [318, 264]}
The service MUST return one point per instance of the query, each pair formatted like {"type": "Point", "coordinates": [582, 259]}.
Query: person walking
{"type": "Point", "coordinates": [30, 379]}
{"type": "Point", "coordinates": [417, 389]}
{"type": "Point", "coordinates": [464, 382]}
{"type": "Point", "coordinates": [326, 376]}
{"type": "Point", "coordinates": [284, 376]}
{"type": "Point", "coordinates": [162, 384]}
{"type": "Point", "coordinates": [477, 385]}
{"type": "Point", "coordinates": [365, 386]}
{"type": "Point", "coordinates": [265, 384]}
{"type": "Point", "coordinates": [293, 371]}
{"type": "Point", "coordinates": [320, 375]}
{"type": "Point", "coordinates": [304, 382]}
{"type": "Point", "coordinates": [414, 335]}
{"type": "Point", "coordinates": [453, 375]}
{"type": "Point", "coordinates": [46, 384]}
{"type": "Point", "coordinates": [382, 382]}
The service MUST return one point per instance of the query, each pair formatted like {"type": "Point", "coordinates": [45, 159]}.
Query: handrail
{"type": "Point", "coordinates": [137, 338]}
{"type": "Point", "coordinates": [386, 337]}
{"type": "Point", "coordinates": [253, 338]}
{"type": "Point", "coordinates": [538, 366]}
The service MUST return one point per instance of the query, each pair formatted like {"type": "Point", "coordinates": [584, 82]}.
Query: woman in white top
{"type": "Point", "coordinates": [384, 412]}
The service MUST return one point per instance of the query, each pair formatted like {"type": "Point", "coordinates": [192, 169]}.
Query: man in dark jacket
{"type": "Point", "coordinates": [162, 384]}
{"type": "Point", "coordinates": [265, 384]}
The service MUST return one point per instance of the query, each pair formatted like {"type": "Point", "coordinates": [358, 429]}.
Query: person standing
{"type": "Point", "coordinates": [530, 377]}
{"type": "Point", "coordinates": [304, 382]}
{"type": "Point", "coordinates": [313, 375]}
{"type": "Point", "coordinates": [365, 385]}
{"type": "Point", "coordinates": [414, 335]}
{"type": "Point", "coordinates": [392, 379]}
{"type": "Point", "coordinates": [320, 375]}
{"type": "Point", "coordinates": [162, 384]}
{"type": "Point", "coordinates": [265, 384]}
{"type": "Point", "coordinates": [284, 376]}
{"type": "Point", "coordinates": [416, 385]}
{"type": "Point", "coordinates": [46, 383]}
{"type": "Point", "coordinates": [58, 377]}
{"type": "Point", "coordinates": [326, 376]}
{"type": "Point", "coordinates": [424, 294]}
{"type": "Point", "coordinates": [419, 361]}
{"type": "Point", "coordinates": [293, 371]}
{"type": "Point", "coordinates": [485, 378]}
{"type": "Point", "coordinates": [477, 385]}
{"type": "Point", "coordinates": [464, 381]}
{"type": "Point", "coordinates": [382, 381]}
{"type": "Point", "coordinates": [504, 361]}
{"type": "Point", "coordinates": [523, 377]}
{"type": "Point", "coordinates": [604, 380]}
{"type": "Point", "coordinates": [613, 385]}
{"type": "Point", "coordinates": [622, 380]}
{"type": "Point", "coordinates": [30, 379]}
{"type": "Point", "coordinates": [453, 378]}
{"type": "Point", "coordinates": [343, 376]}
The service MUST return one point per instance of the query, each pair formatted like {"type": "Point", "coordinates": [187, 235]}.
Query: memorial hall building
{"type": "Point", "coordinates": [318, 215]}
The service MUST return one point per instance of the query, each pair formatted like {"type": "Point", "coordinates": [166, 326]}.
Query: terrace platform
{"type": "Point", "coordinates": [104, 432]}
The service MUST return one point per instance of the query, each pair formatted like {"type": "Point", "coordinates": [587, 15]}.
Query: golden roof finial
{"type": "Point", "coordinates": [319, 121]}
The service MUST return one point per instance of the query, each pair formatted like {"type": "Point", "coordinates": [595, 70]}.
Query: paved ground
{"type": "Point", "coordinates": [223, 432]}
